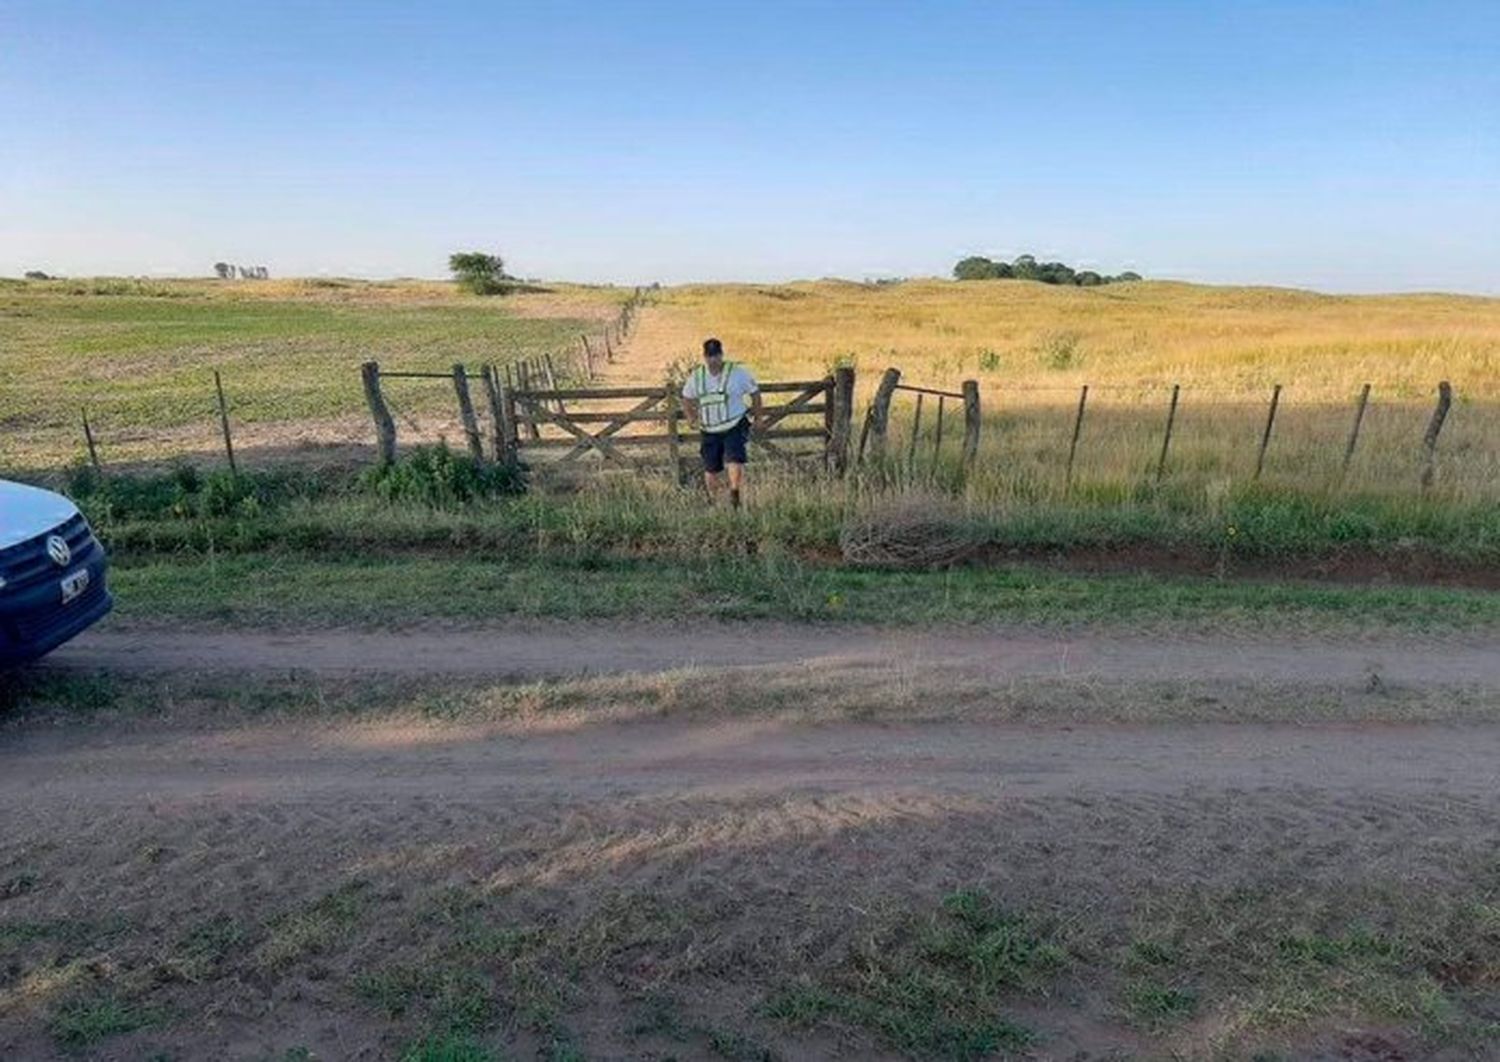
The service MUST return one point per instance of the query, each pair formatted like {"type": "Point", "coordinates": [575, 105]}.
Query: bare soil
{"type": "Point", "coordinates": [543, 649]}
{"type": "Point", "coordinates": [694, 867]}
{"type": "Point", "coordinates": [774, 842]}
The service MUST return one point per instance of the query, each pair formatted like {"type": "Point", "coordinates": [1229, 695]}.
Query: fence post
{"type": "Point", "coordinates": [841, 397]}
{"type": "Point", "coordinates": [510, 427]}
{"type": "Point", "coordinates": [385, 426]}
{"type": "Point", "coordinates": [971, 422]}
{"type": "Point", "coordinates": [1265, 438]}
{"type": "Point", "coordinates": [588, 357]}
{"type": "Point", "coordinates": [523, 383]}
{"type": "Point", "coordinates": [1161, 462]}
{"type": "Point", "coordinates": [466, 411]}
{"type": "Point", "coordinates": [1083, 399]}
{"type": "Point", "coordinates": [1430, 437]}
{"type": "Point", "coordinates": [878, 417]}
{"type": "Point", "coordinates": [1359, 416]}
{"type": "Point", "coordinates": [497, 421]}
{"type": "Point", "coordinates": [609, 349]}
{"type": "Point", "coordinates": [224, 423]}
{"type": "Point", "coordinates": [88, 437]}
{"type": "Point", "coordinates": [916, 430]}
{"type": "Point", "coordinates": [674, 431]}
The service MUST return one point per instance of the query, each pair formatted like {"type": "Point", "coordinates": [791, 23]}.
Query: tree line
{"type": "Point", "coordinates": [1026, 267]}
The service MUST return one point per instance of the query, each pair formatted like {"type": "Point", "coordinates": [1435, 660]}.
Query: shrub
{"type": "Point", "coordinates": [436, 476]}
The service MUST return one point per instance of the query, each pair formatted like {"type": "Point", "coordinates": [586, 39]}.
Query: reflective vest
{"type": "Point", "coordinates": [713, 405]}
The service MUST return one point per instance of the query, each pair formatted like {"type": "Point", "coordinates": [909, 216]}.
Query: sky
{"type": "Point", "coordinates": [1337, 146]}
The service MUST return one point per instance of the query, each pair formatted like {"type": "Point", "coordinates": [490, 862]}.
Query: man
{"type": "Point", "coordinates": [721, 399]}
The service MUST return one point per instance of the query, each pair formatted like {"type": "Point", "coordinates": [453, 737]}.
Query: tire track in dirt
{"type": "Point", "coordinates": [569, 650]}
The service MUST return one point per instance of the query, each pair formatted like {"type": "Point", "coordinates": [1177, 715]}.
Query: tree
{"type": "Point", "coordinates": [36, 274]}
{"type": "Point", "coordinates": [483, 274]}
{"type": "Point", "coordinates": [975, 267]}
{"type": "Point", "coordinates": [223, 270]}
{"type": "Point", "coordinates": [1128, 275]}
{"type": "Point", "coordinates": [1089, 279]}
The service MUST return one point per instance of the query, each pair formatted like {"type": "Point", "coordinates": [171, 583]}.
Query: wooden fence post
{"type": "Point", "coordinates": [511, 427]}
{"type": "Point", "coordinates": [88, 437]}
{"type": "Point", "coordinates": [937, 435]}
{"type": "Point", "coordinates": [466, 411]}
{"type": "Point", "coordinates": [523, 384]}
{"type": "Point", "coordinates": [841, 397]}
{"type": "Point", "coordinates": [878, 417]}
{"type": "Point", "coordinates": [674, 432]}
{"type": "Point", "coordinates": [1359, 417]}
{"type": "Point", "coordinates": [916, 429]}
{"type": "Point", "coordinates": [497, 420]}
{"type": "Point", "coordinates": [385, 426]}
{"type": "Point", "coordinates": [1161, 462]}
{"type": "Point", "coordinates": [588, 357]}
{"type": "Point", "coordinates": [971, 422]}
{"type": "Point", "coordinates": [224, 423]}
{"type": "Point", "coordinates": [1083, 399]}
{"type": "Point", "coordinates": [1430, 437]}
{"type": "Point", "coordinates": [1265, 438]}
{"type": "Point", "coordinates": [609, 349]}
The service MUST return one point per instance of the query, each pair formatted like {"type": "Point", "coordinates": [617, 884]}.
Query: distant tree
{"type": "Point", "coordinates": [483, 274]}
{"type": "Point", "coordinates": [1026, 267]}
{"type": "Point", "coordinates": [36, 274]}
{"type": "Point", "coordinates": [975, 267]}
{"type": "Point", "coordinates": [223, 270]}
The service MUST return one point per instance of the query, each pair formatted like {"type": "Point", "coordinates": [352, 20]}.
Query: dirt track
{"type": "Point", "coordinates": [558, 650]}
{"type": "Point", "coordinates": [773, 837]}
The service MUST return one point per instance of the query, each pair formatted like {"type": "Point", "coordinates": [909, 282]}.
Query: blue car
{"type": "Point", "coordinates": [52, 573]}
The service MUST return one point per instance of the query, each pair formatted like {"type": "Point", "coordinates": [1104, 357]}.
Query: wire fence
{"type": "Point", "coordinates": [249, 419]}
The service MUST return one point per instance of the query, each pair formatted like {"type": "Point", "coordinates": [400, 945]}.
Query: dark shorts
{"type": "Point", "coordinates": [718, 447]}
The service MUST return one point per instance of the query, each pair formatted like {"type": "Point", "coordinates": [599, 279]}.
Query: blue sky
{"type": "Point", "coordinates": [1342, 146]}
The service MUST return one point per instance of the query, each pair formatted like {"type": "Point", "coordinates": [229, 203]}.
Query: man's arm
{"type": "Point", "coordinates": [690, 407]}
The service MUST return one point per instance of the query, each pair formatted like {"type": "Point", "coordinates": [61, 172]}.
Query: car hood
{"type": "Point", "coordinates": [26, 512]}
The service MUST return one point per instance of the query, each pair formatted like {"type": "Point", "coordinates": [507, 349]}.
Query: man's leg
{"type": "Point", "coordinates": [736, 473]}
{"type": "Point", "coordinates": [711, 483]}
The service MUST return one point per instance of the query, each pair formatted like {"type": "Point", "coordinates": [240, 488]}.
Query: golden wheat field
{"type": "Point", "coordinates": [1032, 347]}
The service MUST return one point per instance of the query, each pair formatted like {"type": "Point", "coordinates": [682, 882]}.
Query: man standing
{"type": "Point", "coordinates": [721, 398]}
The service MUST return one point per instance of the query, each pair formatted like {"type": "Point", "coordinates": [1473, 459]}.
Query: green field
{"type": "Point", "coordinates": [140, 357]}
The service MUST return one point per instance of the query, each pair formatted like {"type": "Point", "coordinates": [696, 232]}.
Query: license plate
{"type": "Point", "coordinates": [75, 584]}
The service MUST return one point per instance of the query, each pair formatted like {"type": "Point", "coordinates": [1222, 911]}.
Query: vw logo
{"type": "Point", "coordinates": [57, 549]}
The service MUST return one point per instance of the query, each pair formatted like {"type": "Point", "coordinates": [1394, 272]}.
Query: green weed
{"type": "Point", "coordinates": [80, 1023]}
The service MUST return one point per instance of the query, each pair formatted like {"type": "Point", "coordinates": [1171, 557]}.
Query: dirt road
{"type": "Point", "coordinates": [560, 650]}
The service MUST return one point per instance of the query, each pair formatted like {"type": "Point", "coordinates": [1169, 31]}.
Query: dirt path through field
{"type": "Point", "coordinates": [545, 649]}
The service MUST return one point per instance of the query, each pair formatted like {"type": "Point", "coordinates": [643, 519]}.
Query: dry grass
{"type": "Point", "coordinates": [1032, 347]}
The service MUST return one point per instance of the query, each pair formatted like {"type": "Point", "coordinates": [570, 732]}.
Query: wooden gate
{"type": "Point", "coordinates": [639, 428]}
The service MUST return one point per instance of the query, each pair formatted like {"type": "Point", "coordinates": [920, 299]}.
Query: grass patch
{"type": "Point", "coordinates": [934, 987]}
{"type": "Point", "coordinates": [315, 928]}
{"type": "Point", "coordinates": [448, 1047]}
{"type": "Point", "coordinates": [80, 1023]}
{"type": "Point", "coordinates": [288, 589]}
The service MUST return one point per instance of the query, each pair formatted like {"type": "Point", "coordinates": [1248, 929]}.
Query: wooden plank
{"type": "Point", "coordinates": [783, 386]}
{"type": "Point", "coordinates": [597, 442]}
{"type": "Point", "coordinates": [570, 394]}
{"type": "Point", "coordinates": [663, 439]}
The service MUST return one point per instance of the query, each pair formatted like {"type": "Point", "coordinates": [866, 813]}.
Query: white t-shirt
{"type": "Point", "coordinates": [722, 399]}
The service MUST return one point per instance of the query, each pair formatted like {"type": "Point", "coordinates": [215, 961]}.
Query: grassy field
{"type": "Point", "coordinates": [1032, 346]}
{"type": "Point", "coordinates": [141, 354]}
